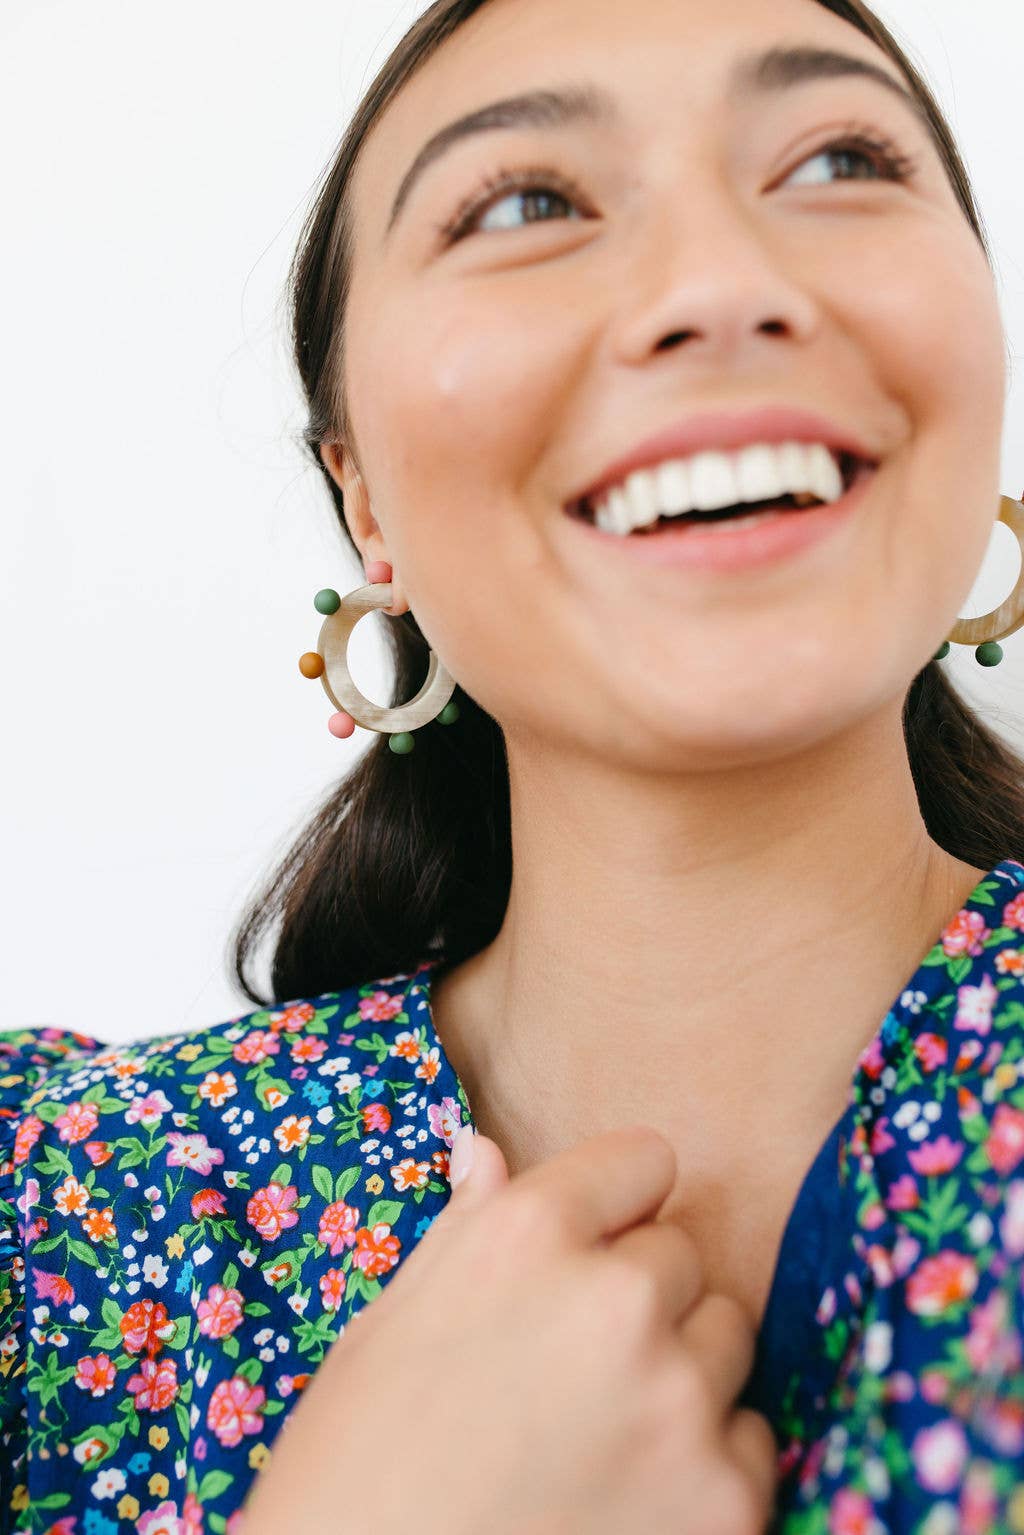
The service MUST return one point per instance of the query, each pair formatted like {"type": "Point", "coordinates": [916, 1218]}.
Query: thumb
{"type": "Point", "coordinates": [477, 1168]}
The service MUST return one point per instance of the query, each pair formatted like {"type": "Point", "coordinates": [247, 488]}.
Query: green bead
{"type": "Point", "coordinates": [449, 714]}
{"type": "Point", "coordinates": [327, 601]}
{"type": "Point", "coordinates": [402, 743]}
{"type": "Point", "coordinates": [942, 651]}
{"type": "Point", "coordinates": [989, 654]}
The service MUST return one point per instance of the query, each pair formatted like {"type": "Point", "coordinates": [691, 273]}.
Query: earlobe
{"type": "Point", "coordinates": [362, 525]}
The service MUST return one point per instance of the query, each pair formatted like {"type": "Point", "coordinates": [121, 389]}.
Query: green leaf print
{"type": "Point", "coordinates": [322, 1181]}
{"type": "Point", "coordinates": [213, 1484]}
{"type": "Point", "coordinates": [384, 1210]}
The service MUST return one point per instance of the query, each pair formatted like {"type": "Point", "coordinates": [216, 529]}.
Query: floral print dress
{"type": "Point", "coordinates": [186, 1223]}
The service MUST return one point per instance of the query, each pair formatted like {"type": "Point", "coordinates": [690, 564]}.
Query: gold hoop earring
{"type": "Point", "coordinates": [329, 662]}
{"type": "Point", "coordinates": [1004, 620]}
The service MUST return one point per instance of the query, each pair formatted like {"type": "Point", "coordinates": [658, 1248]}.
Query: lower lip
{"type": "Point", "coordinates": [731, 547]}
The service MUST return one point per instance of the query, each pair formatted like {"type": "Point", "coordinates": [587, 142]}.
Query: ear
{"type": "Point", "coordinates": [366, 532]}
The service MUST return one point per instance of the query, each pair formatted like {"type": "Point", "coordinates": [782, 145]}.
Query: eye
{"type": "Point", "coordinates": [542, 186]}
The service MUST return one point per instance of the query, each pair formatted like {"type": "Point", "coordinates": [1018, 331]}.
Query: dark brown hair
{"type": "Point", "coordinates": [409, 859]}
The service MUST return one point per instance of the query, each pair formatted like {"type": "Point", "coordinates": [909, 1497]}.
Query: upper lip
{"type": "Point", "coordinates": [724, 429]}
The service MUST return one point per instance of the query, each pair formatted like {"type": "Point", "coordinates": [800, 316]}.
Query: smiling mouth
{"type": "Point", "coordinates": [851, 468]}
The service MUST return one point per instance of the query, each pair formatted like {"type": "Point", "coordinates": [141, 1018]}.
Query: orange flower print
{"type": "Point", "coordinates": [291, 1019]}
{"type": "Point", "coordinates": [941, 1282]}
{"type": "Point", "coordinates": [26, 1135]}
{"type": "Point", "coordinates": [406, 1046]}
{"type": "Point", "coordinates": [207, 1202]}
{"type": "Point", "coordinates": [1010, 962]}
{"type": "Point", "coordinates": [146, 1325]}
{"type": "Point", "coordinates": [71, 1197]}
{"type": "Point", "coordinates": [292, 1132]}
{"type": "Point", "coordinates": [54, 1287]}
{"type": "Point", "coordinates": [270, 1209]}
{"type": "Point", "coordinates": [430, 1065]}
{"type": "Point", "coordinates": [99, 1224]}
{"type": "Point", "coordinates": [966, 934]}
{"type": "Point", "coordinates": [376, 1250]}
{"type": "Point", "coordinates": [410, 1174]}
{"type": "Point", "coordinates": [1005, 1143]}
{"type": "Point", "coordinates": [98, 1152]}
{"type": "Point", "coordinates": [217, 1087]}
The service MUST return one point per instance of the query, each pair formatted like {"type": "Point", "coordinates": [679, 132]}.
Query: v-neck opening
{"type": "Point", "coordinates": [805, 1294]}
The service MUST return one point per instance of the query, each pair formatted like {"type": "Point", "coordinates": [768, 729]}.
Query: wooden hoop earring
{"type": "Point", "coordinates": [1004, 620]}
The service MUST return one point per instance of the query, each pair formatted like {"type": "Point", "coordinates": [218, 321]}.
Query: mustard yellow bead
{"type": "Point", "coordinates": [311, 664]}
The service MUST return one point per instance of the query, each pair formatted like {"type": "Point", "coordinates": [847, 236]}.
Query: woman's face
{"type": "Point", "coordinates": [713, 257]}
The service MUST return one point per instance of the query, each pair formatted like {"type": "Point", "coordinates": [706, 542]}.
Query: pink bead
{"type": "Point", "coordinates": [377, 572]}
{"type": "Point", "coordinates": [341, 725]}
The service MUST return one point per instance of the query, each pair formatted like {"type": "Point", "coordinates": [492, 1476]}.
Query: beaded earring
{"type": "Point", "coordinates": [1004, 620]}
{"type": "Point", "coordinates": [329, 662]}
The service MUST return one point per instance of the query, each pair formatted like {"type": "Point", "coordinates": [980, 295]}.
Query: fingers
{"type": "Point", "coordinates": [607, 1183]}
{"type": "Point", "coordinates": [718, 1334]}
{"type": "Point", "coordinates": [751, 1444]}
{"type": "Point", "coordinates": [669, 1258]}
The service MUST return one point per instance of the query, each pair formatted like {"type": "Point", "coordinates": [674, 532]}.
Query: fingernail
{"type": "Point", "coordinates": [461, 1155]}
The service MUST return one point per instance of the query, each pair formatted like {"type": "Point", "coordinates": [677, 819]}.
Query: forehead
{"type": "Point", "coordinates": [655, 51]}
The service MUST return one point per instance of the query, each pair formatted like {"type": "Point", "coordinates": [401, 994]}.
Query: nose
{"type": "Point", "coordinates": [706, 272]}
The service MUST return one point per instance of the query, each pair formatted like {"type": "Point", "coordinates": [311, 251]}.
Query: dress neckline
{"type": "Point", "coordinates": [793, 1310]}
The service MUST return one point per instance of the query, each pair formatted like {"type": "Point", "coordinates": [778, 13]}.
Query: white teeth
{"type": "Point", "coordinates": [706, 481]}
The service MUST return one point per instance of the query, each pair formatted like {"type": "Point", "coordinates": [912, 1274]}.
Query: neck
{"type": "Point", "coordinates": [673, 946]}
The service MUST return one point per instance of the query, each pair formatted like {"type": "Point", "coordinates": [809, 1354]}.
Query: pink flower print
{"type": "Point", "coordinates": [236, 1408]}
{"type": "Point", "coordinates": [337, 1229]}
{"type": "Point", "coordinates": [991, 1339]}
{"type": "Point", "coordinates": [98, 1152]}
{"type": "Point", "coordinates": [291, 1019]}
{"type": "Point", "coordinates": [155, 1385]}
{"type": "Point", "coordinates": [1002, 1426]}
{"type": "Point", "coordinates": [881, 1140]}
{"type": "Point", "coordinates": [974, 1006]}
{"type": "Point", "coordinates": [970, 1049]}
{"type": "Point", "coordinates": [54, 1287]}
{"type": "Point", "coordinates": [77, 1122]}
{"type": "Point", "coordinates": [256, 1046]}
{"type": "Point", "coordinates": [444, 1119]}
{"type": "Point", "coordinates": [1011, 1227]}
{"type": "Point", "coordinates": [376, 1250]}
{"type": "Point", "coordinates": [931, 1051]}
{"type": "Point", "coordinates": [1013, 913]}
{"type": "Point", "coordinates": [993, 1055]}
{"type": "Point", "coordinates": [148, 1111]}
{"type": "Point", "coordinates": [192, 1151]}
{"type": "Point", "coordinates": [379, 1006]}
{"type": "Point", "coordinates": [220, 1312]}
{"type": "Point", "coordinates": [1005, 1144]}
{"type": "Point", "coordinates": [162, 1520]}
{"type": "Point", "coordinates": [966, 934]}
{"type": "Point", "coordinates": [25, 1137]}
{"type": "Point", "coordinates": [940, 1283]}
{"type": "Point", "coordinates": [871, 1060]}
{"type": "Point", "coordinates": [939, 1455]}
{"type": "Point", "coordinates": [191, 1516]}
{"type": "Point", "coordinates": [904, 1254]}
{"type": "Point", "coordinates": [208, 1202]}
{"type": "Point", "coordinates": [938, 1156]}
{"type": "Point", "coordinates": [270, 1209]}
{"type": "Point", "coordinates": [979, 1502]}
{"type": "Point", "coordinates": [95, 1373]}
{"type": "Point", "coordinates": [903, 1194]}
{"type": "Point", "coordinates": [376, 1118]}
{"type": "Point", "coordinates": [306, 1047]}
{"type": "Point", "coordinates": [29, 1197]}
{"type": "Point", "coordinates": [332, 1289]}
{"type": "Point", "coordinates": [934, 1386]}
{"type": "Point", "coordinates": [850, 1513]}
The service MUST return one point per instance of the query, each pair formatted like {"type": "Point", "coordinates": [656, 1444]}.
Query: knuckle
{"type": "Point", "coordinates": [626, 1293]}
{"type": "Point", "coordinates": [684, 1392]}
{"type": "Point", "coordinates": [528, 1215]}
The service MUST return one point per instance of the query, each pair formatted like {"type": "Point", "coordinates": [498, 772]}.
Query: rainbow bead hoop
{"type": "Point", "coordinates": [329, 662]}
{"type": "Point", "coordinates": [1004, 620]}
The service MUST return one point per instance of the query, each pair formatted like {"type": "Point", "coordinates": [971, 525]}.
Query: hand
{"type": "Point", "coordinates": [544, 1362]}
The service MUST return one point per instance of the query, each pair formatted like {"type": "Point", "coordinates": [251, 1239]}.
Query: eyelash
{"type": "Point", "coordinates": [878, 150]}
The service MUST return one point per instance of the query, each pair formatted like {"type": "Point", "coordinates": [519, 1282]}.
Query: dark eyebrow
{"type": "Point", "coordinates": [778, 69]}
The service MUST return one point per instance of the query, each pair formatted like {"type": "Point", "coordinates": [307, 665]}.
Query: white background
{"type": "Point", "coordinates": [162, 534]}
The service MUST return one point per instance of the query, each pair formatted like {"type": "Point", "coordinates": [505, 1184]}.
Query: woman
{"type": "Point", "coordinates": [766, 898]}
